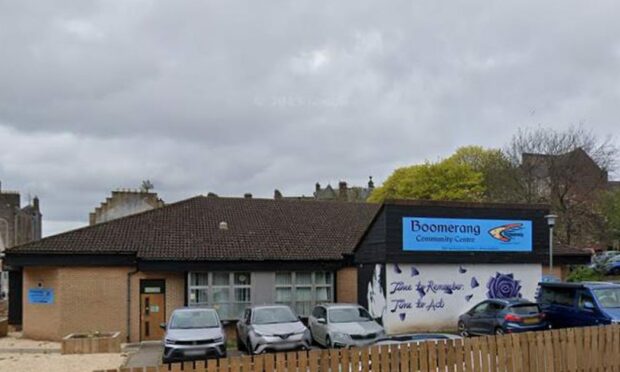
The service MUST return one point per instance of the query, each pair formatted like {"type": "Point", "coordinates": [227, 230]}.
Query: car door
{"type": "Point", "coordinates": [321, 328]}
{"type": "Point", "coordinates": [585, 315]}
{"type": "Point", "coordinates": [313, 323]}
{"type": "Point", "coordinates": [242, 326]}
{"type": "Point", "coordinates": [475, 318]}
{"type": "Point", "coordinates": [488, 318]}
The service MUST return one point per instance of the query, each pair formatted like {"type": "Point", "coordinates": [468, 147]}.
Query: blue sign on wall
{"type": "Point", "coordinates": [41, 296]}
{"type": "Point", "coordinates": [452, 234]}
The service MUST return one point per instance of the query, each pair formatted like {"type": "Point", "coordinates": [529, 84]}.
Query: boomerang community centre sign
{"type": "Point", "coordinates": [452, 234]}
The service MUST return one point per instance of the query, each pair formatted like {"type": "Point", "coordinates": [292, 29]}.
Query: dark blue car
{"type": "Point", "coordinates": [580, 304]}
{"type": "Point", "coordinates": [500, 316]}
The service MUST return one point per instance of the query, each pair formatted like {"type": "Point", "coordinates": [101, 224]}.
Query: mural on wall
{"type": "Point", "coordinates": [375, 295]}
{"type": "Point", "coordinates": [432, 297]}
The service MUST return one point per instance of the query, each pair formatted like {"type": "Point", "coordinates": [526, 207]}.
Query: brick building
{"type": "Point", "coordinates": [18, 225]}
{"type": "Point", "coordinates": [128, 274]}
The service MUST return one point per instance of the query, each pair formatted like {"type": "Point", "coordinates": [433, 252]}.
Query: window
{"type": "Point", "coordinates": [557, 296]}
{"type": "Point", "coordinates": [228, 293]}
{"type": "Point", "coordinates": [302, 290]}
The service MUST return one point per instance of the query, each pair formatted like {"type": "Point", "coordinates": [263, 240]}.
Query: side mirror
{"type": "Point", "coordinates": [588, 305]}
{"type": "Point", "coordinates": [162, 325]}
{"type": "Point", "coordinates": [321, 321]}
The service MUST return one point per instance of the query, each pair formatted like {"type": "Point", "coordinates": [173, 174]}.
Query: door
{"type": "Point", "coordinates": [317, 329]}
{"type": "Point", "coordinates": [152, 308]}
{"type": "Point", "coordinates": [475, 321]}
{"type": "Point", "coordinates": [488, 319]}
{"type": "Point", "coordinates": [585, 315]}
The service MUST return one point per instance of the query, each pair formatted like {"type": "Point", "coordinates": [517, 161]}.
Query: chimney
{"type": "Point", "coordinates": [247, 195]}
{"type": "Point", "coordinates": [342, 190]}
{"type": "Point", "coordinates": [317, 187]}
{"type": "Point", "coordinates": [35, 202]}
{"type": "Point", "coordinates": [277, 195]}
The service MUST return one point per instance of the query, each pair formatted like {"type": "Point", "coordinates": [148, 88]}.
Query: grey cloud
{"type": "Point", "coordinates": [243, 96]}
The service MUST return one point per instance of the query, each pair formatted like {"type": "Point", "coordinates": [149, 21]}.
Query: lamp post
{"type": "Point", "coordinates": [551, 218]}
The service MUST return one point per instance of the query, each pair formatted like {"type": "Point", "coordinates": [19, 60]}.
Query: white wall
{"type": "Point", "coordinates": [431, 296]}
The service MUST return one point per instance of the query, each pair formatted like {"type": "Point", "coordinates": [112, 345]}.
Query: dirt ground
{"type": "Point", "coordinates": [18, 354]}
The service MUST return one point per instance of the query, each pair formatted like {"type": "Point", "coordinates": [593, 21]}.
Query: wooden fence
{"type": "Point", "coordinates": [576, 349]}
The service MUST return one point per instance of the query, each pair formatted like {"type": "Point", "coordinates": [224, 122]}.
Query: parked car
{"type": "Point", "coordinates": [193, 333]}
{"type": "Point", "coordinates": [604, 257]}
{"type": "Point", "coordinates": [343, 325]}
{"type": "Point", "coordinates": [612, 266]}
{"type": "Point", "coordinates": [580, 304]}
{"type": "Point", "coordinates": [273, 328]}
{"type": "Point", "coordinates": [499, 316]}
{"type": "Point", "coordinates": [415, 338]}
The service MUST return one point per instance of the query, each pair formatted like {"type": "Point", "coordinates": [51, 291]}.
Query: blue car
{"type": "Point", "coordinates": [580, 304]}
{"type": "Point", "coordinates": [500, 316]}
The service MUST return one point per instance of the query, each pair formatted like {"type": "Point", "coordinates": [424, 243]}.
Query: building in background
{"type": "Point", "coordinates": [344, 192]}
{"type": "Point", "coordinates": [18, 225]}
{"type": "Point", "coordinates": [125, 202]}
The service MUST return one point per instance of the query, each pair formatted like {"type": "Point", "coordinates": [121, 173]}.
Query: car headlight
{"type": "Point", "coordinates": [259, 334]}
{"type": "Point", "coordinates": [340, 336]}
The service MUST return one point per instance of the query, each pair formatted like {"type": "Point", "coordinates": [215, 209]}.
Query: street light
{"type": "Point", "coordinates": [551, 218]}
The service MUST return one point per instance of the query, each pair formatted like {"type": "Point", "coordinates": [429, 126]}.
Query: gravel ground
{"type": "Point", "coordinates": [45, 356]}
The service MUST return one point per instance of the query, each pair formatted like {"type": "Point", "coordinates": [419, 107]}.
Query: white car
{"type": "Point", "coordinates": [271, 328]}
{"type": "Point", "coordinates": [343, 325]}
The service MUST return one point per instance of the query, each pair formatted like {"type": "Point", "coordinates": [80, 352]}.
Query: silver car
{"type": "Point", "coordinates": [193, 333]}
{"type": "Point", "coordinates": [271, 328]}
{"type": "Point", "coordinates": [343, 325]}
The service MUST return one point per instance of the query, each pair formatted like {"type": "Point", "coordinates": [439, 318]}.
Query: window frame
{"type": "Point", "coordinates": [313, 286]}
{"type": "Point", "coordinates": [232, 302]}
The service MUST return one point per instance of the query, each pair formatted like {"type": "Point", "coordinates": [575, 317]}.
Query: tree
{"type": "Point", "coordinates": [499, 174]}
{"type": "Point", "coordinates": [147, 186]}
{"type": "Point", "coordinates": [446, 180]}
{"type": "Point", "coordinates": [610, 209]}
{"type": "Point", "coordinates": [567, 169]}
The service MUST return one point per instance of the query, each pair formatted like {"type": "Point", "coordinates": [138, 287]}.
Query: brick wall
{"type": "Point", "coordinates": [346, 285]}
{"type": "Point", "coordinates": [90, 299]}
{"type": "Point", "coordinates": [41, 322]}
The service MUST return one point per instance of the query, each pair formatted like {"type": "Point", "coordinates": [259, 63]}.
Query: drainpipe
{"type": "Point", "coordinates": [129, 275]}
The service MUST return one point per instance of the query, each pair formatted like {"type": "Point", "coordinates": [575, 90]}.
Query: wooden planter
{"type": "Point", "coordinates": [84, 343]}
{"type": "Point", "coordinates": [4, 327]}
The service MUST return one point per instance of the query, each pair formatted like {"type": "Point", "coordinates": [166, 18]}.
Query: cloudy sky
{"type": "Point", "coordinates": [247, 96]}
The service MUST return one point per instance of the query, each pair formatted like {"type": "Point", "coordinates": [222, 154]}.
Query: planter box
{"type": "Point", "coordinates": [4, 327]}
{"type": "Point", "coordinates": [84, 343]}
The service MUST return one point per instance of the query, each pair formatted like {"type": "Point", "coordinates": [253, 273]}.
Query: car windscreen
{"type": "Point", "coordinates": [608, 297]}
{"type": "Point", "coordinates": [273, 315]}
{"type": "Point", "coordinates": [194, 319]}
{"type": "Point", "coordinates": [528, 309]}
{"type": "Point", "coordinates": [348, 315]}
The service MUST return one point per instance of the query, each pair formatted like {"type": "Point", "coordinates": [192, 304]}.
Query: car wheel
{"type": "Point", "coordinates": [463, 330]}
{"type": "Point", "coordinates": [499, 331]}
{"type": "Point", "coordinates": [328, 342]}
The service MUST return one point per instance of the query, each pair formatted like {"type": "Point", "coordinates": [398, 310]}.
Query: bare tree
{"type": "Point", "coordinates": [567, 169]}
{"type": "Point", "coordinates": [147, 186]}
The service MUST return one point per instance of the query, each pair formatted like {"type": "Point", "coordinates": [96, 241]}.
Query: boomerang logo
{"type": "Point", "coordinates": [505, 233]}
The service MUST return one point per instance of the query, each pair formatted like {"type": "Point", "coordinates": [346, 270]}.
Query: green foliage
{"type": "Point", "coordinates": [446, 180]}
{"type": "Point", "coordinates": [585, 274]}
{"type": "Point", "coordinates": [499, 174]}
{"type": "Point", "coordinates": [610, 208]}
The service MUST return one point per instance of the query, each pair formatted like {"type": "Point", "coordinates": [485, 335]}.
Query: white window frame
{"type": "Point", "coordinates": [210, 287]}
{"type": "Point", "coordinates": [313, 289]}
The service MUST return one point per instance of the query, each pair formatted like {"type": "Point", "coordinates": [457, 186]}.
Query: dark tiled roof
{"type": "Point", "coordinates": [258, 229]}
{"type": "Point", "coordinates": [563, 250]}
